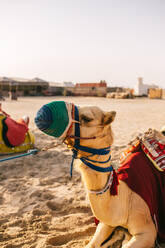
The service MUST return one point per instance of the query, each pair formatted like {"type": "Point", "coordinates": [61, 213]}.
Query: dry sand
{"type": "Point", "coordinates": [40, 207]}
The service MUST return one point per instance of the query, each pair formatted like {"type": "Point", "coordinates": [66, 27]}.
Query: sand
{"type": "Point", "coordinates": [40, 206]}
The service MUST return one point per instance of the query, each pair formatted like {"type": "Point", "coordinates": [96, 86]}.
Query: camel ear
{"type": "Point", "coordinates": [109, 117]}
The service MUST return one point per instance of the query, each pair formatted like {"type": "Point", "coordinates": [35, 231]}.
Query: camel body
{"type": "Point", "coordinates": [126, 209]}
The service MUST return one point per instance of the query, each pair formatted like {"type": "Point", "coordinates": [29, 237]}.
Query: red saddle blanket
{"type": "Point", "coordinates": [13, 132]}
{"type": "Point", "coordinates": [142, 177]}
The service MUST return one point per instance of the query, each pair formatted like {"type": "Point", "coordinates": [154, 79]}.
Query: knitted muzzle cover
{"type": "Point", "coordinates": [54, 118]}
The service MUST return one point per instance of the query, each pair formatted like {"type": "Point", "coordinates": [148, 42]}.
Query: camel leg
{"type": "Point", "coordinates": [141, 240]}
{"type": "Point", "coordinates": [120, 235]}
{"type": "Point", "coordinates": [101, 234]}
{"type": "Point", "coordinates": [126, 238]}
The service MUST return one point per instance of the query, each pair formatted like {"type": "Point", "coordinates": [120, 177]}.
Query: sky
{"type": "Point", "coordinates": [83, 40]}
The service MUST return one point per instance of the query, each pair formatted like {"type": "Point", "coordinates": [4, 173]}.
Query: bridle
{"type": "Point", "coordinates": [75, 120]}
{"type": "Point", "coordinates": [93, 151]}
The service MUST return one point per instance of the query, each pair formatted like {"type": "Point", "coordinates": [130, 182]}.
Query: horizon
{"type": "Point", "coordinates": [109, 84]}
{"type": "Point", "coordinates": [84, 41]}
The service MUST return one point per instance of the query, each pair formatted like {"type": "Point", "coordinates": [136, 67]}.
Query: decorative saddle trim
{"type": "Point", "coordinates": [152, 143]}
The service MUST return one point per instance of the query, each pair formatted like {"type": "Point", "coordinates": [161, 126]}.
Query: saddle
{"type": "Point", "coordinates": [13, 132]}
{"type": "Point", "coordinates": [152, 143]}
{"type": "Point", "coordinates": [14, 136]}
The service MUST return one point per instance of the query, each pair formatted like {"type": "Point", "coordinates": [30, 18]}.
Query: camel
{"type": "Point", "coordinates": [125, 208]}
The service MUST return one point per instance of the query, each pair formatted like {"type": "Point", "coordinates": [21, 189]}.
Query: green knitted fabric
{"type": "Point", "coordinates": [60, 118]}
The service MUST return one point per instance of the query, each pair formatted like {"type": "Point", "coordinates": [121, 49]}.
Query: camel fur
{"type": "Point", "coordinates": [127, 209]}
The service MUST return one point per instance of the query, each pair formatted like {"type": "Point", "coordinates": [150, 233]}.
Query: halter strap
{"type": "Point", "coordinates": [95, 161]}
{"type": "Point", "coordinates": [97, 168]}
{"type": "Point", "coordinates": [77, 142]}
{"type": "Point", "coordinates": [93, 151]}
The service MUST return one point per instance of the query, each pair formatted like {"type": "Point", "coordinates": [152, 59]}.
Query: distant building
{"type": "Point", "coordinates": [68, 84]}
{"type": "Point", "coordinates": [90, 89]}
{"type": "Point", "coordinates": [24, 87]}
{"type": "Point", "coordinates": [115, 89]}
{"type": "Point", "coordinates": [57, 89]}
{"type": "Point", "coordinates": [141, 89]}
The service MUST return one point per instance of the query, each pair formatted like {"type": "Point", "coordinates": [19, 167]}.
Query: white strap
{"type": "Point", "coordinates": [107, 186]}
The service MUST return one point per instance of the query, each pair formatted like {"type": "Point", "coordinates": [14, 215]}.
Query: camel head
{"type": "Point", "coordinates": [86, 130]}
{"type": "Point", "coordinates": [95, 124]}
{"type": "Point", "coordinates": [58, 119]}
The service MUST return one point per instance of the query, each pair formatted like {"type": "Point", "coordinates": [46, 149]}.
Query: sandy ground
{"type": "Point", "coordinates": [40, 207]}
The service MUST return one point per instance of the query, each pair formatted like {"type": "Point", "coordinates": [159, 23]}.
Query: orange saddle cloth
{"type": "Point", "coordinates": [13, 132]}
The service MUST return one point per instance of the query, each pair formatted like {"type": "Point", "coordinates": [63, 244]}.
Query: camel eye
{"type": "Point", "coordinates": [86, 118]}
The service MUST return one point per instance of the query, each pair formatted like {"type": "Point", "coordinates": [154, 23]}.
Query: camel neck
{"type": "Point", "coordinates": [96, 180]}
